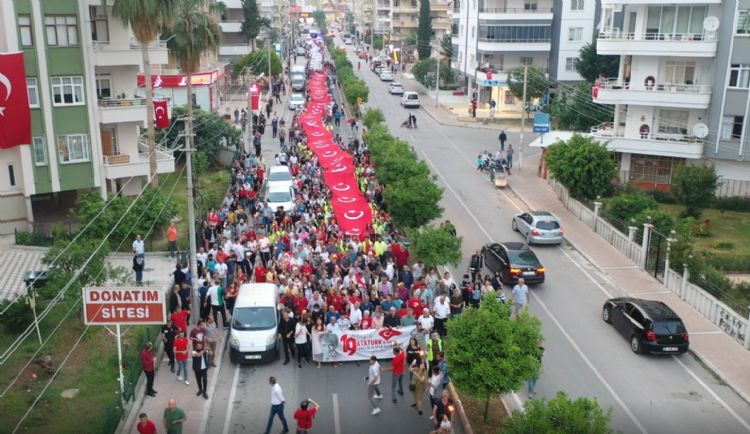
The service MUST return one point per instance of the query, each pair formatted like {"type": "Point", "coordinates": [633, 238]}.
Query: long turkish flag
{"type": "Point", "coordinates": [161, 114]}
{"type": "Point", "coordinates": [15, 116]}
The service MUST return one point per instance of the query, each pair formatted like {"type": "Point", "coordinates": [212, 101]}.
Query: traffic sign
{"type": "Point", "coordinates": [541, 122]}
{"type": "Point", "coordinates": [360, 100]}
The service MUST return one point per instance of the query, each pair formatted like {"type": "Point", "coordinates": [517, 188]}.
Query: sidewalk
{"type": "Point", "coordinates": [709, 343]}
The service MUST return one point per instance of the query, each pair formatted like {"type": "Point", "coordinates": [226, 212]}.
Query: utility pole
{"type": "Point", "coordinates": [190, 200]}
{"type": "Point", "coordinates": [372, 28]}
{"type": "Point", "coordinates": [523, 117]}
{"type": "Point", "coordinates": [437, 83]}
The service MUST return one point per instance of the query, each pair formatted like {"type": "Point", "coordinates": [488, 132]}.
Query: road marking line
{"type": "Point", "coordinates": [586, 273]}
{"type": "Point", "coordinates": [336, 416]}
{"type": "Point", "coordinates": [538, 300]}
{"type": "Point", "coordinates": [230, 407]}
{"type": "Point", "coordinates": [712, 393]}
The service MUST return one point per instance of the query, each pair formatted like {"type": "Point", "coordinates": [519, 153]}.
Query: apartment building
{"type": "Point", "coordinates": [233, 44]}
{"type": "Point", "coordinates": [81, 67]}
{"type": "Point", "coordinates": [493, 37]}
{"type": "Point", "coordinates": [681, 94]}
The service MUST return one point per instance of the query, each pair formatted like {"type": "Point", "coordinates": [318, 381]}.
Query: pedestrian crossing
{"type": "Point", "coordinates": [13, 264]}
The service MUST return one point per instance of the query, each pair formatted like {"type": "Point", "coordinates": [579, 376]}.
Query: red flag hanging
{"type": "Point", "coordinates": [161, 114]}
{"type": "Point", "coordinates": [15, 116]}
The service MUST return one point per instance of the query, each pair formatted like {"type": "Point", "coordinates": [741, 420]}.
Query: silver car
{"type": "Point", "coordinates": [539, 227]}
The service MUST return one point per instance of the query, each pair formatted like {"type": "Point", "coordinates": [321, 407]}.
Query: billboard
{"type": "Point", "coordinates": [349, 345]}
{"type": "Point", "coordinates": [127, 305]}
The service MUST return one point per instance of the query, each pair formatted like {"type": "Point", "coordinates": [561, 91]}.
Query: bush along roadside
{"type": "Point", "coordinates": [351, 86]}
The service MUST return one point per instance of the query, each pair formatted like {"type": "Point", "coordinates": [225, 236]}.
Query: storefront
{"type": "Point", "coordinates": [207, 87]}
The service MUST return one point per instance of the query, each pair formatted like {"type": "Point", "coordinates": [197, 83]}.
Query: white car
{"type": "Point", "coordinates": [396, 89]}
{"type": "Point", "coordinates": [296, 101]}
{"type": "Point", "coordinates": [280, 176]}
{"type": "Point", "coordinates": [410, 99]}
{"type": "Point", "coordinates": [386, 75]}
{"type": "Point", "coordinates": [279, 196]}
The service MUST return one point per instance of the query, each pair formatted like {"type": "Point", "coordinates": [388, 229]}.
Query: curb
{"type": "Point", "coordinates": [719, 374]}
{"type": "Point", "coordinates": [461, 414]}
{"type": "Point", "coordinates": [214, 382]}
{"type": "Point", "coordinates": [133, 408]}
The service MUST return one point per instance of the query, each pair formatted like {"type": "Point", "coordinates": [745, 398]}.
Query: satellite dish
{"type": "Point", "coordinates": [700, 130]}
{"type": "Point", "coordinates": [711, 24]}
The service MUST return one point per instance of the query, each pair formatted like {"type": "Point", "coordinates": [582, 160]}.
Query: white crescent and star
{"type": "Point", "coordinates": [156, 110]}
{"type": "Point", "coordinates": [8, 90]}
{"type": "Point", "coordinates": [341, 187]}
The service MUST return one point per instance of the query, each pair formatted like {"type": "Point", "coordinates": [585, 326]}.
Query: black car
{"type": "Point", "coordinates": [651, 326]}
{"type": "Point", "coordinates": [514, 260]}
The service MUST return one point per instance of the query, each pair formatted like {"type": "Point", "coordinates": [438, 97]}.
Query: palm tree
{"type": "Point", "coordinates": [145, 18]}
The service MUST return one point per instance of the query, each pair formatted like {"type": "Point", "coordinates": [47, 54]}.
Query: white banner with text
{"type": "Point", "coordinates": [351, 345]}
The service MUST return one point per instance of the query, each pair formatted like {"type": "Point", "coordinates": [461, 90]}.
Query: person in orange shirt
{"type": "Point", "coordinates": [172, 238]}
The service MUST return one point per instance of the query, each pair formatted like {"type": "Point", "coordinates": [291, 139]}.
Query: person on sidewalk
{"type": "Point", "coordinates": [172, 238]}
{"type": "Point", "coordinates": [520, 294]}
{"type": "Point", "coordinates": [169, 333]}
{"type": "Point", "coordinates": [493, 106]}
{"type": "Point", "coordinates": [474, 108]}
{"type": "Point", "coordinates": [287, 328]}
{"type": "Point", "coordinates": [147, 363]}
{"type": "Point", "coordinates": [200, 369]}
{"type": "Point", "coordinates": [305, 415]}
{"type": "Point", "coordinates": [181, 355]}
{"type": "Point", "coordinates": [138, 269]}
{"type": "Point", "coordinates": [373, 383]}
{"type": "Point", "coordinates": [174, 418]}
{"type": "Point", "coordinates": [211, 340]}
{"type": "Point", "coordinates": [145, 425]}
{"type": "Point", "coordinates": [509, 156]}
{"type": "Point", "coordinates": [503, 138]}
{"type": "Point", "coordinates": [277, 406]}
{"type": "Point", "coordinates": [215, 297]}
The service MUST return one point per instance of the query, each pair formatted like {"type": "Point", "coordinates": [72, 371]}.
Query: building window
{"type": "Point", "coordinates": [40, 151]}
{"type": "Point", "coordinates": [739, 76]}
{"type": "Point", "coordinates": [673, 121]}
{"type": "Point", "coordinates": [33, 90]}
{"type": "Point", "coordinates": [527, 61]}
{"type": "Point", "coordinates": [67, 90]}
{"type": "Point", "coordinates": [530, 5]}
{"type": "Point", "coordinates": [62, 31]}
{"type": "Point", "coordinates": [24, 31]}
{"type": "Point", "coordinates": [103, 86]}
{"type": "Point", "coordinates": [515, 33]}
{"type": "Point", "coordinates": [576, 5]}
{"type": "Point", "coordinates": [743, 22]}
{"type": "Point", "coordinates": [570, 63]}
{"type": "Point", "coordinates": [473, 31]}
{"type": "Point", "coordinates": [12, 175]}
{"type": "Point", "coordinates": [731, 127]}
{"type": "Point", "coordinates": [99, 25]}
{"type": "Point", "coordinates": [651, 169]}
{"type": "Point", "coordinates": [575, 34]}
{"type": "Point", "coordinates": [73, 148]}
{"type": "Point", "coordinates": [509, 99]}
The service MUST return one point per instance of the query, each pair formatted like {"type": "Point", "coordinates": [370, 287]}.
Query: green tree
{"type": "Point", "coordinates": [320, 20]}
{"type": "Point", "coordinates": [591, 65]}
{"type": "Point", "coordinates": [413, 202]}
{"type": "Point", "coordinates": [435, 246]}
{"type": "Point", "coordinates": [145, 18]}
{"type": "Point", "coordinates": [373, 117]}
{"type": "Point", "coordinates": [208, 128]}
{"type": "Point", "coordinates": [583, 165]}
{"type": "Point", "coordinates": [560, 415]}
{"type": "Point", "coordinates": [425, 72]}
{"type": "Point", "coordinates": [626, 206]}
{"type": "Point", "coordinates": [424, 30]}
{"type": "Point", "coordinates": [694, 187]}
{"type": "Point", "coordinates": [411, 38]}
{"type": "Point", "coordinates": [573, 110]}
{"type": "Point", "coordinates": [537, 83]}
{"type": "Point", "coordinates": [253, 23]}
{"type": "Point", "coordinates": [489, 353]}
{"type": "Point", "coordinates": [446, 46]}
{"type": "Point", "coordinates": [76, 257]}
{"type": "Point", "coordinates": [257, 63]}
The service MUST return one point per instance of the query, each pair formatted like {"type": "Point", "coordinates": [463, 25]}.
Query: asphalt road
{"type": "Point", "coordinates": [584, 356]}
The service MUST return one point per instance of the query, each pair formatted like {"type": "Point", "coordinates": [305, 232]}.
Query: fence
{"type": "Point", "coordinates": [653, 258]}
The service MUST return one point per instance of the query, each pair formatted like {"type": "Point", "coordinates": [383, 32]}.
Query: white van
{"type": "Point", "coordinates": [297, 70]}
{"type": "Point", "coordinates": [254, 331]}
{"type": "Point", "coordinates": [410, 99]}
{"type": "Point", "coordinates": [298, 82]}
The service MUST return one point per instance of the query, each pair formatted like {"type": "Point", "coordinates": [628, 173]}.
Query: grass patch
{"type": "Point", "coordinates": [730, 230]}
{"type": "Point", "coordinates": [475, 412]}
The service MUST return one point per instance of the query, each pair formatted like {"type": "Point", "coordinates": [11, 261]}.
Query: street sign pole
{"type": "Point", "coordinates": [523, 117]}
{"type": "Point", "coordinates": [119, 363]}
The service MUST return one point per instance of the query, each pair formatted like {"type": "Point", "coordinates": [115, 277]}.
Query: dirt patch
{"type": "Point", "coordinates": [475, 412]}
{"type": "Point", "coordinates": [739, 278]}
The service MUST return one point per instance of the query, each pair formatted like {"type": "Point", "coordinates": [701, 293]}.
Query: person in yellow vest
{"type": "Point", "coordinates": [434, 346]}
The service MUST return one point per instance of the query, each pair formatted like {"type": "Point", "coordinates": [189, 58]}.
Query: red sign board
{"type": "Point", "coordinates": [179, 80]}
{"type": "Point", "coordinates": [254, 97]}
{"type": "Point", "coordinates": [137, 305]}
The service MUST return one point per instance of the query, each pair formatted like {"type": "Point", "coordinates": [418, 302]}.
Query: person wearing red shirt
{"type": "Point", "coordinates": [398, 363]}
{"type": "Point", "coordinates": [213, 218]}
{"type": "Point", "coordinates": [260, 173]}
{"type": "Point", "coordinates": [260, 273]}
{"type": "Point", "coordinates": [307, 269]}
{"type": "Point", "coordinates": [305, 415]}
{"type": "Point", "coordinates": [147, 364]}
{"type": "Point", "coordinates": [336, 301]}
{"type": "Point", "coordinates": [415, 304]}
{"type": "Point", "coordinates": [181, 354]}
{"type": "Point", "coordinates": [179, 319]}
{"type": "Point", "coordinates": [366, 322]}
{"type": "Point", "coordinates": [145, 426]}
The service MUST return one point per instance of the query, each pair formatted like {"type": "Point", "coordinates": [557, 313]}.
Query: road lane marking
{"type": "Point", "coordinates": [580, 352]}
{"type": "Point", "coordinates": [710, 391]}
{"type": "Point", "coordinates": [586, 273]}
{"type": "Point", "coordinates": [232, 393]}
{"type": "Point", "coordinates": [336, 416]}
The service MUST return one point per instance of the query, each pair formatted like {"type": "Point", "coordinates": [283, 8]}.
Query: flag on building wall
{"type": "Point", "coordinates": [161, 114]}
{"type": "Point", "coordinates": [15, 116]}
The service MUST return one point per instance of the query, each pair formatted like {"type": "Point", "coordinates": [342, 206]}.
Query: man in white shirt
{"type": "Point", "coordinates": [221, 270]}
{"type": "Point", "coordinates": [426, 321]}
{"type": "Point", "coordinates": [373, 381]}
{"type": "Point", "coordinates": [277, 405]}
{"type": "Point", "coordinates": [138, 247]}
{"type": "Point", "coordinates": [442, 310]}
{"type": "Point", "coordinates": [355, 314]}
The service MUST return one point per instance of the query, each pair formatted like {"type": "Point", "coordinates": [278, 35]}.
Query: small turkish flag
{"type": "Point", "coordinates": [489, 74]}
{"type": "Point", "coordinates": [161, 114]}
{"type": "Point", "coordinates": [15, 116]}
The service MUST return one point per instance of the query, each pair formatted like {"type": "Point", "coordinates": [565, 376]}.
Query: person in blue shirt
{"type": "Point", "coordinates": [331, 314]}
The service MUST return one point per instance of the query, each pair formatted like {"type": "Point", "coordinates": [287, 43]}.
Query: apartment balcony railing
{"type": "Point", "coordinates": [689, 96]}
{"type": "Point", "coordinates": [516, 41]}
{"type": "Point", "coordinates": [607, 129]}
{"type": "Point", "coordinates": [515, 10]}
{"type": "Point", "coordinates": [617, 42]}
{"type": "Point", "coordinates": [118, 110]}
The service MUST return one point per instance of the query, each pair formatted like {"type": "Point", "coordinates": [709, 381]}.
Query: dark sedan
{"type": "Point", "coordinates": [651, 326]}
{"type": "Point", "coordinates": [514, 260]}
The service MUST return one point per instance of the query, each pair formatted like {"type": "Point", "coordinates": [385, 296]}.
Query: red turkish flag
{"type": "Point", "coordinates": [161, 114]}
{"type": "Point", "coordinates": [489, 74]}
{"type": "Point", "coordinates": [15, 116]}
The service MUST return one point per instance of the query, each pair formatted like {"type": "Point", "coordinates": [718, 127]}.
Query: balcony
{"type": "Point", "coordinates": [441, 23]}
{"type": "Point", "coordinates": [119, 54]}
{"type": "Point", "coordinates": [487, 45]}
{"type": "Point", "coordinates": [112, 111]}
{"type": "Point", "coordinates": [126, 165]}
{"type": "Point", "coordinates": [515, 14]}
{"type": "Point", "coordinates": [497, 78]}
{"type": "Point", "coordinates": [617, 43]}
{"type": "Point", "coordinates": [671, 2]}
{"type": "Point", "coordinates": [406, 9]}
{"type": "Point", "coordinates": [666, 145]}
{"type": "Point", "coordinates": [687, 96]}
{"type": "Point", "coordinates": [230, 26]}
{"type": "Point", "coordinates": [406, 24]}
{"type": "Point", "coordinates": [234, 50]}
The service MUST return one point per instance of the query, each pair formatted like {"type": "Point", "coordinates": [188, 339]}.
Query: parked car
{"type": "Point", "coordinates": [300, 51]}
{"type": "Point", "coordinates": [38, 277]}
{"type": "Point", "coordinates": [651, 326]}
{"type": "Point", "coordinates": [386, 75]}
{"type": "Point", "coordinates": [514, 260]}
{"type": "Point", "coordinates": [396, 89]}
{"type": "Point", "coordinates": [539, 227]}
{"type": "Point", "coordinates": [280, 176]}
{"type": "Point", "coordinates": [296, 101]}
{"type": "Point", "coordinates": [410, 99]}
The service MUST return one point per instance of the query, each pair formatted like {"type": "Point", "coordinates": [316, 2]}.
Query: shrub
{"type": "Point", "coordinates": [18, 316]}
{"type": "Point", "coordinates": [694, 187]}
{"type": "Point", "coordinates": [724, 245]}
{"type": "Point", "coordinates": [583, 165]}
{"type": "Point", "coordinates": [661, 220]}
{"type": "Point", "coordinates": [373, 117]}
{"type": "Point", "coordinates": [34, 238]}
{"type": "Point", "coordinates": [661, 196]}
{"type": "Point", "coordinates": [731, 262]}
{"type": "Point", "coordinates": [733, 203]}
{"type": "Point", "coordinates": [628, 205]}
